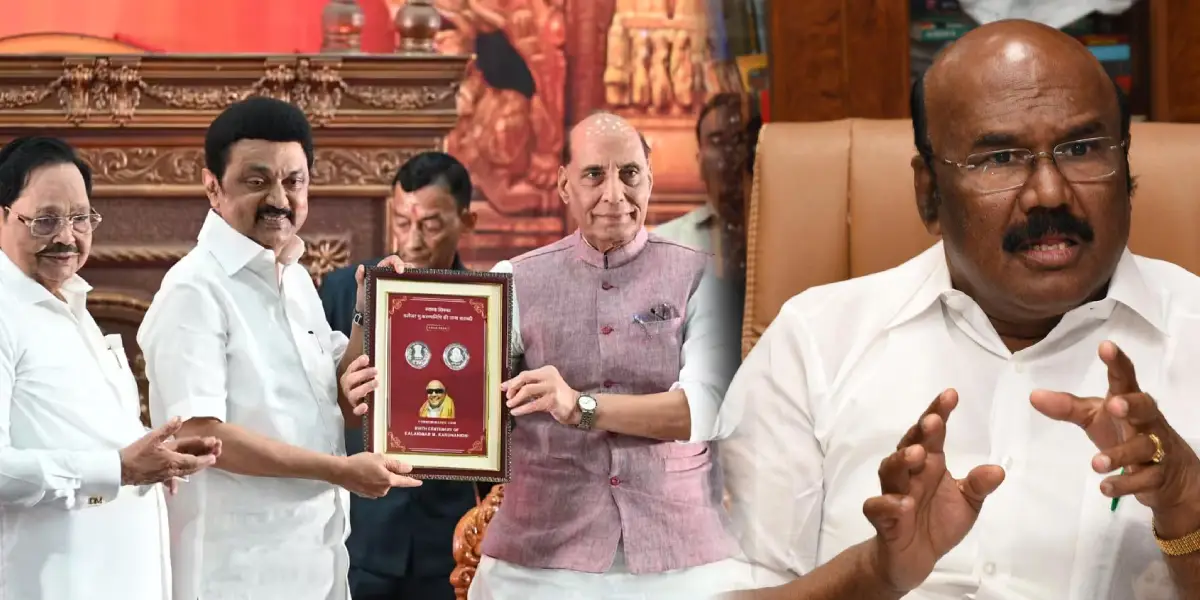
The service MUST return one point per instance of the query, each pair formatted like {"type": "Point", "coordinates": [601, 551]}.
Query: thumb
{"type": "Point", "coordinates": [1062, 406]}
{"type": "Point", "coordinates": [358, 275]}
{"type": "Point", "coordinates": [980, 483]}
{"type": "Point", "coordinates": [161, 434]}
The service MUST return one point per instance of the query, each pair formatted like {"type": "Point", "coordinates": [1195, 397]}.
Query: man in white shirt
{"type": "Point", "coordinates": [237, 345]}
{"type": "Point", "coordinates": [81, 514]}
{"type": "Point", "coordinates": [1023, 173]}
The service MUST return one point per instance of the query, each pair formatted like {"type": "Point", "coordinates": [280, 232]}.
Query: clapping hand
{"type": "Point", "coordinates": [924, 512]}
{"type": "Point", "coordinates": [1160, 469]}
{"type": "Point", "coordinates": [543, 390]}
{"type": "Point", "coordinates": [158, 457]}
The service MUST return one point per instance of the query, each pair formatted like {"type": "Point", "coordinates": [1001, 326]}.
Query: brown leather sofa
{"type": "Point", "coordinates": [835, 200]}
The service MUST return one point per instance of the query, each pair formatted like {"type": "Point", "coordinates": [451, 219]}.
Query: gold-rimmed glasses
{"type": "Point", "coordinates": [51, 226]}
{"type": "Point", "coordinates": [1090, 159]}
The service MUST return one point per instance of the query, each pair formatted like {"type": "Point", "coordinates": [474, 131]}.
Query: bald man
{"type": "Point", "coordinates": [625, 357]}
{"type": "Point", "coordinates": [1067, 362]}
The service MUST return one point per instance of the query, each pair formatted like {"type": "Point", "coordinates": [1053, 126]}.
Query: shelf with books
{"type": "Point", "coordinates": [739, 42]}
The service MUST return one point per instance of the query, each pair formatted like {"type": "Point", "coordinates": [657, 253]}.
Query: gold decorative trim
{"type": "Point", "coordinates": [353, 167]}
{"type": "Point", "coordinates": [117, 86]}
{"type": "Point", "coordinates": [750, 332]}
{"type": "Point", "coordinates": [143, 254]}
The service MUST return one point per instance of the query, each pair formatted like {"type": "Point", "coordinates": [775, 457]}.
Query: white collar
{"type": "Point", "coordinates": [234, 251]}
{"type": "Point", "coordinates": [24, 288]}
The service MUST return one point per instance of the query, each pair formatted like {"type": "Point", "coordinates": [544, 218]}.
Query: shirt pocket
{"type": "Point", "coordinates": [654, 329]}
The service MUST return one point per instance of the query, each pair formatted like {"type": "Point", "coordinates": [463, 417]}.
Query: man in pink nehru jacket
{"type": "Point", "coordinates": [626, 349]}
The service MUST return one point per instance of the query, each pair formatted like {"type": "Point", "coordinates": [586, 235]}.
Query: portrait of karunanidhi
{"type": "Point", "coordinates": [456, 355]}
{"type": "Point", "coordinates": [438, 404]}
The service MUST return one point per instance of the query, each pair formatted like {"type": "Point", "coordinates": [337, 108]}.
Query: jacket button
{"type": "Point", "coordinates": [615, 481]}
{"type": "Point", "coordinates": [606, 330]}
{"type": "Point", "coordinates": [607, 383]}
{"type": "Point", "coordinates": [606, 286]}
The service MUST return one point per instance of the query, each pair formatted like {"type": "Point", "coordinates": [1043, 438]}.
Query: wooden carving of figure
{"type": "Point", "coordinates": [661, 98]}
{"type": "Point", "coordinates": [651, 8]}
{"type": "Point", "coordinates": [683, 70]}
{"type": "Point", "coordinates": [616, 67]}
{"type": "Point", "coordinates": [641, 85]}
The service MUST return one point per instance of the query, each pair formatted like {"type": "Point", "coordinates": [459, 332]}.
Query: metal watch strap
{"type": "Point", "coordinates": [1188, 544]}
{"type": "Point", "coordinates": [587, 418]}
{"type": "Point", "coordinates": [358, 319]}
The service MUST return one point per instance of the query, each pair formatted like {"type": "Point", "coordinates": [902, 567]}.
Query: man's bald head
{"type": "Point", "coordinates": [602, 122]}
{"type": "Point", "coordinates": [1000, 57]}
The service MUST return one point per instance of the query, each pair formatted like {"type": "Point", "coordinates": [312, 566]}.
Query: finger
{"type": "Point", "coordinates": [1145, 479]}
{"type": "Point", "coordinates": [393, 262]}
{"type": "Point", "coordinates": [397, 467]}
{"type": "Point", "coordinates": [512, 385]}
{"type": "Point", "coordinates": [402, 481]}
{"type": "Point", "coordinates": [353, 378]}
{"type": "Point", "coordinates": [160, 435]}
{"type": "Point", "coordinates": [358, 275]}
{"type": "Point", "coordinates": [942, 406]}
{"type": "Point", "coordinates": [196, 446]}
{"type": "Point", "coordinates": [933, 432]}
{"type": "Point", "coordinates": [1138, 409]}
{"type": "Point", "coordinates": [980, 483]}
{"type": "Point", "coordinates": [896, 471]}
{"type": "Point", "coordinates": [1122, 379]}
{"type": "Point", "coordinates": [529, 392]}
{"type": "Point", "coordinates": [182, 465]}
{"type": "Point", "coordinates": [357, 393]}
{"type": "Point", "coordinates": [889, 514]}
{"type": "Point", "coordinates": [171, 486]}
{"type": "Point", "coordinates": [359, 363]}
{"type": "Point", "coordinates": [361, 409]}
{"type": "Point", "coordinates": [1062, 406]}
{"type": "Point", "coordinates": [540, 404]}
{"type": "Point", "coordinates": [1135, 452]}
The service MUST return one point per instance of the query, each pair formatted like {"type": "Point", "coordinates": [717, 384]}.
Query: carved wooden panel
{"type": "Point", "coordinates": [1174, 40]}
{"type": "Point", "coordinates": [139, 121]}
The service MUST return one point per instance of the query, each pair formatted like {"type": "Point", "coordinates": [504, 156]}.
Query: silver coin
{"type": "Point", "coordinates": [417, 355]}
{"type": "Point", "coordinates": [456, 356]}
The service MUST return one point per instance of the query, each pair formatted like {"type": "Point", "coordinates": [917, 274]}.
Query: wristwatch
{"type": "Point", "coordinates": [587, 408]}
{"type": "Point", "coordinates": [358, 319]}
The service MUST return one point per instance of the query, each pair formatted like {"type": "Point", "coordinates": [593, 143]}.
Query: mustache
{"type": "Point", "coordinates": [1043, 222]}
{"type": "Point", "coordinates": [58, 248]}
{"type": "Point", "coordinates": [268, 212]}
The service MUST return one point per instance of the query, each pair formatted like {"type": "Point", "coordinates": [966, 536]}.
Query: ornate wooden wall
{"type": "Point", "coordinates": [140, 122]}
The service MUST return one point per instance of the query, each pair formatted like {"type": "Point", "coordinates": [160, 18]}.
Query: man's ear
{"type": "Point", "coordinates": [928, 199]}
{"type": "Point", "coordinates": [212, 188]}
{"type": "Point", "coordinates": [562, 184]}
{"type": "Point", "coordinates": [469, 219]}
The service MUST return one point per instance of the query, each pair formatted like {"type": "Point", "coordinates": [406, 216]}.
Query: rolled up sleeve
{"type": "Point", "coordinates": [771, 457]}
{"type": "Point", "coordinates": [709, 356]}
{"type": "Point", "coordinates": [29, 476]}
{"type": "Point", "coordinates": [184, 341]}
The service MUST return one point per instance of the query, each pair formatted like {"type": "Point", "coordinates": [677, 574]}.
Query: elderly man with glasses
{"type": "Point", "coordinates": [1023, 326]}
{"type": "Point", "coordinates": [81, 511]}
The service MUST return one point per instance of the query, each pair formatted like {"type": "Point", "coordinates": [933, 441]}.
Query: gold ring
{"type": "Point", "coordinates": [1159, 454]}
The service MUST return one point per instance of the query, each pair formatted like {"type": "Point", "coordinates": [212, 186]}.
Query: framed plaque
{"type": "Point", "coordinates": [440, 342]}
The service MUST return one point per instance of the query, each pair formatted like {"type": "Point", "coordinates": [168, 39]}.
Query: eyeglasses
{"type": "Point", "coordinates": [434, 392]}
{"type": "Point", "coordinates": [51, 226]}
{"type": "Point", "coordinates": [1091, 159]}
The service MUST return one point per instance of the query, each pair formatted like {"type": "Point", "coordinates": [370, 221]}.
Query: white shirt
{"type": "Point", "coordinates": [232, 335]}
{"type": "Point", "coordinates": [68, 405]}
{"type": "Point", "coordinates": [846, 368]}
{"type": "Point", "coordinates": [693, 229]}
{"type": "Point", "coordinates": [708, 361]}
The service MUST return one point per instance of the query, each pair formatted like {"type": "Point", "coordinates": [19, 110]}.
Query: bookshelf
{"type": "Point", "coordinates": [834, 59]}
{"type": "Point", "coordinates": [740, 41]}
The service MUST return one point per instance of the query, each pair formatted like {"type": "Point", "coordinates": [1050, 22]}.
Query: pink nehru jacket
{"type": "Point", "coordinates": [576, 494]}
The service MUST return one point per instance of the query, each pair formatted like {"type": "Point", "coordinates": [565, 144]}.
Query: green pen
{"type": "Point", "coordinates": [1117, 500]}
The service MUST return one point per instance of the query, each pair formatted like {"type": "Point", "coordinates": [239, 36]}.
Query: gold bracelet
{"type": "Point", "coordinates": [1183, 546]}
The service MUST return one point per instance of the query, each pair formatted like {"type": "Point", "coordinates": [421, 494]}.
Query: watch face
{"type": "Point", "coordinates": [587, 403]}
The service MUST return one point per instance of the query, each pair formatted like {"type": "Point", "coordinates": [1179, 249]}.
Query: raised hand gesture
{"type": "Point", "coordinates": [1157, 466]}
{"type": "Point", "coordinates": [924, 511]}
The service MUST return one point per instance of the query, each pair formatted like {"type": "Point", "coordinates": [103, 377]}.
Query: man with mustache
{"type": "Point", "coordinates": [401, 545]}
{"type": "Point", "coordinates": [1024, 325]}
{"type": "Point", "coordinates": [236, 344]}
{"type": "Point", "coordinates": [80, 500]}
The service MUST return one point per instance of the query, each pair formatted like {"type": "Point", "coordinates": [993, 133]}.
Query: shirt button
{"type": "Point", "coordinates": [606, 330]}
{"type": "Point", "coordinates": [614, 481]}
{"type": "Point", "coordinates": [607, 383]}
{"type": "Point", "coordinates": [989, 568]}
{"type": "Point", "coordinates": [606, 286]}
